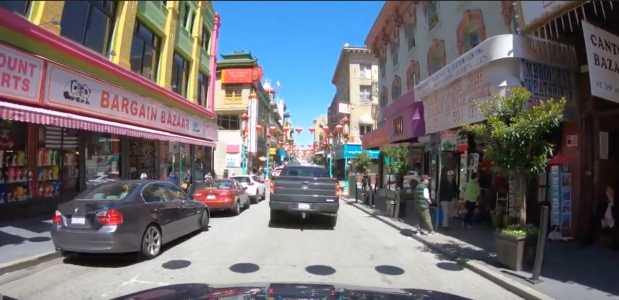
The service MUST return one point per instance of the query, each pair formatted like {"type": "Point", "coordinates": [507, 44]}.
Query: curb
{"type": "Point", "coordinates": [27, 262]}
{"type": "Point", "coordinates": [509, 284]}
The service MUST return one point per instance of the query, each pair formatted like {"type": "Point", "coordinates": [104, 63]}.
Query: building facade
{"type": "Point", "coordinates": [356, 98]}
{"type": "Point", "coordinates": [110, 89]}
{"type": "Point", "coordinates": [239, 90]}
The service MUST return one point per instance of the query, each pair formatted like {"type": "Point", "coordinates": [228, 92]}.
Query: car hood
{"type": "Point", "coordinates": [283, 291]}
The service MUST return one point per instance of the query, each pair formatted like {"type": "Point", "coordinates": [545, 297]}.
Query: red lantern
{"type": "Point", "coordinates": [338, 127]}
{"type": "Point", "coordinates": [286, 129]}
{"type": "Point", "coordinates": [244, 117]}
{"type": "Point", "coordinates": [268, 135]}
{"type": "Point", "coordinates": [325, 129]}
{"type": "Point", "coordinates": [272, 128]}
{"type": "Point", "coordinates": [259, 127]}
{"type": "Point", "coordinates": [299, 130]}
{"type": "Point", "coordinates": [311, 129]}
{"type": "Point", "coordinates": [345, 120]}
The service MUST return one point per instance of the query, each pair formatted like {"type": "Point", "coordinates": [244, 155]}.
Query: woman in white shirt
{"type": "Point", "coordinates": [607, 214]}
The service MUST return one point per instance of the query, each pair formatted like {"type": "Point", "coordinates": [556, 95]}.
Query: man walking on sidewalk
{"type": "Point", "coordinates": [447, 194]}
{"type": "Point", "coordinates": [422, 205]}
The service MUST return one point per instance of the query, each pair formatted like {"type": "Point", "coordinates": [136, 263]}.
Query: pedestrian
{"type": "Point", "coordinates": [422, 206]}
{"type": "Point", "coordinates": [471, 193]}
{"type": "Point", "coordinates": [447, 193]}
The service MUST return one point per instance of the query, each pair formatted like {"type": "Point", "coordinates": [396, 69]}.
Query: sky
{"type": "Point", "coordinates": [298, 44]}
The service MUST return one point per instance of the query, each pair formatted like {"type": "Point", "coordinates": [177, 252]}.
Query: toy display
{"type": "Point", "coordinates": [14, 174]}
{"type": "Point", "coordinates": [48, 172]}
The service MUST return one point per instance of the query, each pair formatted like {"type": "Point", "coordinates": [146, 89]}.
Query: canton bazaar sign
{"type": "Point", "coordinates": [73, 91]}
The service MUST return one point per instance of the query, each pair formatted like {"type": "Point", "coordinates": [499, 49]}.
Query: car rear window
{"type": "Point", "coordinates": [242, 179]}
{"type": "Point", "coordinates": [108, 192]}
{"type": "Point", "coordinates": [215, 184]}
{"type": "Point", "coordinates": [304, 172]}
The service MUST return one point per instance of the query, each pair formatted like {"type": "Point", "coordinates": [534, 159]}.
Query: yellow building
{"type": "Point", "coordinates": [128, 79]}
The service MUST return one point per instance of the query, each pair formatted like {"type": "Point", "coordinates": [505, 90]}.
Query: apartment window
{"type": "Point", "coordinates": [363, 129]}
{"type": "Point", "coordinates": [382, 66]}
{"type": "Point", "coordinates": [180, 75]}
{"type": "Point", "coordinates": [365, 71]}
{"type": "Point", "coordinates": [234, 94]}
{"type": "Point", "coordinates": [18, 7]}
{"type": "Point", "coordinates": [164, 3]}
{"type": "Point", "coordinates": [188, 16]}
{"type": "Point", "coordinates": [203, 81]}
{"type": "Point", "coordinates": [228, 122]}
{"type": "Point", "coordinates": [365, 92]}
{"type": "Point", "coordinates": [145, 51]}
{"type": "Point", "coordinates": [90, 23]}
{"type": "Point", "coordinates": [206, 38]}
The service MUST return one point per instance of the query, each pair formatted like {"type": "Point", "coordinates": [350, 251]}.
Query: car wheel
{"type": "Point", "coordinates": [332, 221]}
{"type": "Point", "coordinates": [236, 210]}
{"type": "Point", "coordinates": [254, 199]}
{"type": "Point", "coordinates": [247, 204]}
{"type": "Point", "coordinates": [204, 220]}
{"type": "Point", "coordinates": [151, 242]}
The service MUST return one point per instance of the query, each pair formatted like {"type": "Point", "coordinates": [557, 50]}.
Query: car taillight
{"type": "Point", "coordinates": [272, 187]}
{"type": "Point", "coordinates": [110, 217]}
{"type": "Point", "coordinates": [337, 190]}
{"type": "Point", "coordinates": [197, 195]}
{"type": "Point", "coordinates": [57, 217]}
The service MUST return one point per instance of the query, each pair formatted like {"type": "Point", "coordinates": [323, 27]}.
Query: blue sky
{"type": "Point", "coordinates": [298, 44]}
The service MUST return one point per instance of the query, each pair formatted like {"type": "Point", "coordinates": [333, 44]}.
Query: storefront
{"type": "Point", "coordinates": [63, 131]}
{"type": "Point", "coordinates": [405, 118]}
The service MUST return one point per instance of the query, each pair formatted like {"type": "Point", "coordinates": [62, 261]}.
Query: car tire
{"type": "Point", "coordinates": [247, 204]}
{"type": "Point", "coordinates": [152, 242]}
{"type": "Point", "coordinates": [254, 199]}
{"type": "Point", "coordinates": [236, 210]}
{"type": "Point", "coordinates": [332, 221]}
{"type": "Point", "coordinates": [205, 220]}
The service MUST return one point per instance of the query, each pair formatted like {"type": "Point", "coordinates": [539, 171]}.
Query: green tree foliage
{"type": "Point", "coordinates": [515, 133]}
{"type": "Point", "coordinates": [318, 160]}
{"type": "Point", "coordinates": [362, 162]}
{"type": "Point", "coordinates": [398, 165]}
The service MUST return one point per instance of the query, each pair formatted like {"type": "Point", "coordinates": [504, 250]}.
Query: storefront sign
{"type": "Point", "coordinates": [376, 138]}
{"type": "Point", "coordinates": [20, 75]}
{"type": "Point", "coordinates": [241, 76]}
{"type": "Point", "coordinates": [545, 82]}
{"type": "Point", "coordinates": [572, 140]}
{"type": "Point", "coordinates": [351, 151]}
{"type": "Point", "coordinates": [449, 140]}
{"type": "Point", "coordinates": [494, 49]}
{"type": "Point", "coordinates": [603, 62]}
{"type": "Point", "coordinates": [73, 91]}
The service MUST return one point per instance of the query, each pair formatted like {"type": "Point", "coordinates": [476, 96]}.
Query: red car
{"type": "Point", "coordinates": [222, 194]}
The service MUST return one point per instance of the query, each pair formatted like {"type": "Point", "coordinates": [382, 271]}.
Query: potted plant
{"type": "Point", "coordinates": [398, 165]}
{"type": "Point", "coordinates": [516, 246]}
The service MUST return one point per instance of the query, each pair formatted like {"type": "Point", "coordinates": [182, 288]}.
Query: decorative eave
{"type": "Point", "coordinates": [237, 59]}
{"type": "Point", "coordinates": [346, 51]}
{"type": "Point", "coordinates": [390, 17]}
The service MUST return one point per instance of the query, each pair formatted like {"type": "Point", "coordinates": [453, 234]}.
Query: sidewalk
{"type": "Point", "coordinates": [570, 271]}
{"type": "Point", "coordinates": [24, 239]}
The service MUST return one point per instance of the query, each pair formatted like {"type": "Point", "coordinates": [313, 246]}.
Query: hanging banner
{"type": "Point", "coordinates": [602, 58]}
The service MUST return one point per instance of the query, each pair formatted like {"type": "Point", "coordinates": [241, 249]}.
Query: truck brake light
{"type": "Point", "coordinates": [271, 187]}
{"type": "Point", "coordinates": [337, 190]}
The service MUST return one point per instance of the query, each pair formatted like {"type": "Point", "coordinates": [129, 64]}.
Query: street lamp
{"type": "Point", "coordinates": [244, 134]}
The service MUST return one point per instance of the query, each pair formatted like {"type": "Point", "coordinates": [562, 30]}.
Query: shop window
{"type": "Point", "coordinates": [365, 93]}
{"type": "Point", "coordinates": [206, 38]}
{"type": "Point", "coordinates": [15, 181]}
{"type": "Point", "coordinates": [234, 94]}
{"type": "Point", "coordinates": [143, 158]}
{"type": "Point", "coordinates": [18, 7]}
{"type": "Point", "coordinates": [90, 23]}
{"type": "Point", "coordinates": [175, 162]}
{"type": "Point", "coordinates": [365, 71]}
{"type": "Point", "coordinates": [102, 158]}
{"type": "Point", "coordinates": [57, 161]}
{"type": "Point", "coordinates": [228, 122]}
{"type": "Point", "coordinates": [145, 51]}
{"type": "Point", "coordinates": [180, 75]}
{"type": "Point", "coordinates": [203, 82]}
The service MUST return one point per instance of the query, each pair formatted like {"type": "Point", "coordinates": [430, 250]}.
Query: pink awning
{"type": "Point", "coordinates": [22, 113]}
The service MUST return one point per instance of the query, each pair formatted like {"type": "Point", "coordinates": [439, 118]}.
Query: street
{"type": "Point", "coordinates": [361, 250]}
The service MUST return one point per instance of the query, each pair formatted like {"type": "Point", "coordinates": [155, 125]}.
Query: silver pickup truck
{"type": "Point", "coordinates": [304, 190]}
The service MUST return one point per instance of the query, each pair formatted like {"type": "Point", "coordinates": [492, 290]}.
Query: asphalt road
{"type": "Point", "coordinates": [361, 250]}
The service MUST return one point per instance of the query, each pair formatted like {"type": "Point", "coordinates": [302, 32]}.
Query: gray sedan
{"type": "Point", "coordinates": [129, 216]}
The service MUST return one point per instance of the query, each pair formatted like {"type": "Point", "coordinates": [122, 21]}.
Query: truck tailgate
{"type": "Point", "coordinates": [304, 189]}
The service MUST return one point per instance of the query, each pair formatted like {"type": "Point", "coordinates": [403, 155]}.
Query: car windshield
{"type": "Point", "coordinates": [305, 172]}
{"type": "Point", "coordinates": [107, 192]}
{"type": "Point", "coordinates": [215, 184]}
{"type": "Point", "coordinates": [241, 179]}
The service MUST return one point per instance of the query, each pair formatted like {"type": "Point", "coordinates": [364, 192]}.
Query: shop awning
{"type": "Point", "coordinates": [22, 113]}
{"type": "Point", "coordinates": [376, 138]}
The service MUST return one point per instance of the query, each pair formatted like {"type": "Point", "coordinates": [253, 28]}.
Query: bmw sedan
{"type": "Point", "coordinates": [128, 216]}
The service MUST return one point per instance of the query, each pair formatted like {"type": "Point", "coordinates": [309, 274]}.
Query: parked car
{"type": "Point", "coordinates": [222, 194]}
{"type": "Point", "coordinates": [304, 190]}
{"type": "Point", "coordinates": [255, 186]}
{"type": "Point", "coordinates": [127, 216]}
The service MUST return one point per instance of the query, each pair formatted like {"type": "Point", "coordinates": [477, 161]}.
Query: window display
{"type": "Point", "coordinates": [14, 175]}
{"type": "Point", "coordinates": [57, 161]}
{"type": "Point", "coordinates": [102, 158]}
{"type": "Point", "coordinates": [143, 158]}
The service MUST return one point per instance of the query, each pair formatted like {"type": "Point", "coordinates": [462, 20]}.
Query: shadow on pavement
{"type": "Point", "coordinates": [295, 222]}
{"type": "Point", "coordinates": [449, 266]}
{"type": "Point", "coordinates": [176, 264]}
{"type": "Point", "coordinates": [320, 270]}
{"type": "Point", "coordinates": [244, 268]}
{"type": "Point", "coordinates": [389, 270]}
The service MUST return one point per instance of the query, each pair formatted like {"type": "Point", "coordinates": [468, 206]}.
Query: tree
{"type": "Point", "coordinates": [362, 162]}
{"type": "Point", "coordinates": [515, 137]}
{"type": "Point", "coordinates": [398, 165]}
{"type": "Point", "coordinates": [318, 160]}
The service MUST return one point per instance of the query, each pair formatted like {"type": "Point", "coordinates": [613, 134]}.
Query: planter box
{"type": "Point", "coordinates": [390, 210]}
{"type": "Point", "coordinates": [516, 254]}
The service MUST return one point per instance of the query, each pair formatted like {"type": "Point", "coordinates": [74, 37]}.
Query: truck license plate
{"type": "Point", "coordinates": [78, 220]}
{"type": "Point", "coordinates": [304, 206]}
